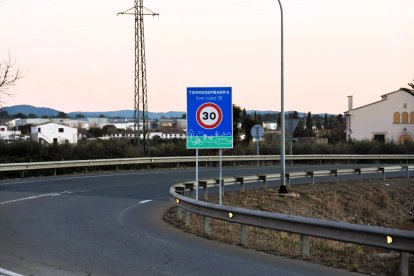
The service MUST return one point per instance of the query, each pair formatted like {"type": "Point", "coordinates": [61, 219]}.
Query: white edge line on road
{"type": "Point", "coordinates": [9, 273]}
{"type": "Point", "coordinates": [121, 214]}
{"type": "Point", "coordinates": [27, 198]}
{"type": "Point", "coordinates": [145, 201]}
{"type": "Point", "coordinates": [51, 194]}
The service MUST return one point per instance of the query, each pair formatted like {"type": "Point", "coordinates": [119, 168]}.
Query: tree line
{"type": "Point", "coordinates": [326, 126]}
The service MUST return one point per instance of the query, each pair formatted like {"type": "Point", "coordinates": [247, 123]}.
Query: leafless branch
{"type": "Point", "coordinates": [8, 76]}
{"type": "Point", "coordinates": [411, 85]}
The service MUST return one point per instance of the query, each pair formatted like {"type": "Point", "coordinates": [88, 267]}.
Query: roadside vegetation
{"type": "Point", "coordinates": [29, 151]}
{"type": "Point", "coordinates": [330, 127]}
{"type": "Point", "coordinates": [370, 202]}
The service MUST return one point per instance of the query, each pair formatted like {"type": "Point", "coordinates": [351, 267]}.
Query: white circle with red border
{"type": "Point", "coordinates": [209, 115]}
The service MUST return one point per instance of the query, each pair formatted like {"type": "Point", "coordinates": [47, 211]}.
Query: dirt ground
{"type": "Point", "coordinates": [370, 202]}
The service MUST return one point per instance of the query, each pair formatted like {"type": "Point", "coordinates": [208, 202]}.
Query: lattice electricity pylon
{"type": "Point", "coordinates": [140, 87]}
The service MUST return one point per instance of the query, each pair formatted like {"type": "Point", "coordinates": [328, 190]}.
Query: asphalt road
{"type": "Point", "coordinates": [111, 224]}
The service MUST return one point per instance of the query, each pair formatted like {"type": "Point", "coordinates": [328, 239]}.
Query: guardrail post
{"type": "Point", "coordinates": [190, 187]}
{"type": "Point", "coordinates": [241, 180]}
{"type": "Point", "coordinates": [187, 217]}
{"type": "Point", "coordinates": [335, 172]}
{"type": "Point", "coordinates": [243, 235]}
{"type": "Point", "coordinates": [222, 186]}
{"type": "Point", "coordinates": [179, 212]}
{"type": "Point", "coordinates": [206, 225]}
{"type": "Point", "coordinates": [304, 240]}
{"type": "Point", "coordinates": [383, 172]}
{"type": "Point", "coordinates": [404, 263]}
{"type": "Point", "coordinates": [262, 177]}
{"type": "Point", "coordinates": [311, 174]}
{"type": "Point", "coordinates": [408, 171]}
{"type": "Point", "coordinates": [358, 171]}
{"type": "Point", "coordinates": [22, 174]}
{"type": "Point", "coordinates": [86, 169]}
{"type": "Point", "coordinates": [54, 172]}
{"type": "Point", "coordinates": [203, 184]}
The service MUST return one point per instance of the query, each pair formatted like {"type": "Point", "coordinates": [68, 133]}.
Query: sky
{"type": "Point", "coordinates": [78, 55]}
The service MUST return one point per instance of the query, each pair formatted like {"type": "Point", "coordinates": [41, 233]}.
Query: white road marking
{"type": "Point", "coordinates": [8, 272]}
{"type": "Point", "coordinates": [145, 201]}
{"type": "Point", "coordinates": [27, 198]}
{"type": "Point", "coordinates": [38, 196]}
{"type": "Point", "coordinates": [127, 209]}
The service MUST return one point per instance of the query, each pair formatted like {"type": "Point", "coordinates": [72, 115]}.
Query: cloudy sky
{"type": "Point", "coordinates": [78, 55]}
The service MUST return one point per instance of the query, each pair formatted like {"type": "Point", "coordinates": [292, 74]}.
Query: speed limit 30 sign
{"type": "Point", "coordinates": [209, 117]}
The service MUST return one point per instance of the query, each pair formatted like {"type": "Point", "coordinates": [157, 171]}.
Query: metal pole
{"type": "Point", "coordinates": [282, 103]}
{"type": "Point", "coordinates": [196, 185]}
{"type": "Point", "coordinates": [221, 178]}
{"type": "Point", "coordinates": [257, 150]}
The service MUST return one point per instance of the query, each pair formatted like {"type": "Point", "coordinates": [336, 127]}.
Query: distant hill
{"type": "Point", "coordinates": [45, 111]}
{"type": "Point", "coordinates": [127, 114]}
{"type": "Point", "coordinates": [108, 114]}
{"type": "Point", "coordinates": [29, 109]}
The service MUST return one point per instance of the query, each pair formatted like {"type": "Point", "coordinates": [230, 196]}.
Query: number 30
{"type": "Point", "coordinates": [212, 116]}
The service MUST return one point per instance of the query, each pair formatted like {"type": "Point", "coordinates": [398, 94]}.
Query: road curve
{"type": "Point", "coordinates": [111, 224]}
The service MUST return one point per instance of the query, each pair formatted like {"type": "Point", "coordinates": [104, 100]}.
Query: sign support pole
{"type": "Point", "coordinates": [257, 132]}
{"type": "Point", "coordinates": [196, 184]}
{"type": "Point", "coordinates": [221, 177]}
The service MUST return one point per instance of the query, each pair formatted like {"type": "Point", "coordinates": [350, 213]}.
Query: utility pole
{"type": "Point", "coordinates": [140, 82]}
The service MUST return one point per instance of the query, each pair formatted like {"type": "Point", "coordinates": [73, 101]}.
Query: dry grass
{"type": "Point", "coordinates": [371, 202]}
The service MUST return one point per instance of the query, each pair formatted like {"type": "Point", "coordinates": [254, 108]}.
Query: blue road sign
{"type": "Point", "coordinates": [209, 118]}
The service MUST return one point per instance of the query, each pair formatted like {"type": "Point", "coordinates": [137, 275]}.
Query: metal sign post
{"type": "Point", "coordinates": [197, 174]}
{"type": "Point", "coordinates": [291, 125]}
{"type": "Point", "coordinates": [257, 133]}
{"type": "Point", "coordinates": [221, 177]}
{"type": "Point", "coordinates": [209, 122]}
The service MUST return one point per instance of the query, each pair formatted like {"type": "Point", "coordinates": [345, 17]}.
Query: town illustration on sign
{"type": "Point", "coordinates": [209, 118]}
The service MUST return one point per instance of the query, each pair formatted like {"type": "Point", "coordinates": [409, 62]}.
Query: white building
{"type": "Point", "coordinates": [54, 133]}
{"type": "Point", "coordinates": [270, 125]}
{"type": "Point", "coordinates": [97, 122]}
{"type": "Point", "coordinates": [389, 120]}
{"type": "Point", "coordinates": [9, 135]}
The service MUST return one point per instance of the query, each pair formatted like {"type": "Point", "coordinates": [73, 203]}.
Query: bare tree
{"type": "Point", "coordinates": [411, 85]}
{"type": "Point", "coordinates": [9, 74]}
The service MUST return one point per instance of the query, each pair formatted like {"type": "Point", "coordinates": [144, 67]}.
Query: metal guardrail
{"type": "Point", "coordinates": [394, 239]}
{"type": "Point", "coordinates": [191, 159]}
